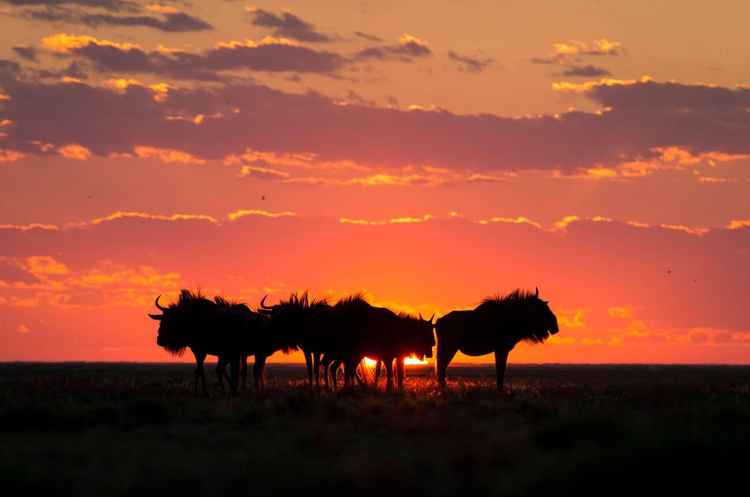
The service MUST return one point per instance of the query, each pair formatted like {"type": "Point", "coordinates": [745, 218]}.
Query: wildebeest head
{"type": "Point", "coordinates": [421, 339]}
{"type": "Point", "coordinates": [541, 321]}
{"type": "Point", "coordinates": [175, 322]}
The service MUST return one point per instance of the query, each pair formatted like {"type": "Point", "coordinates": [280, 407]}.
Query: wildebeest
{"type": "Point", "coordinates": [228, 330]}
{"type": "Point", "coordinates": [304, 323]}
{"type": "Point", "coordinates": [496, 325]}
{"type": "Point", "coordinates": [377, 333]}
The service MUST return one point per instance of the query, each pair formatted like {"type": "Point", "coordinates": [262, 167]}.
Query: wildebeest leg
{"type": "Point", "coordinates": [309, 365]}
{"type": "Point", "coordinates": [316, 368]}
{"type": "Point", "coordinates": [325, 362]}
{"type": "Point", "coordinates": [389, 374]}
{"type": "Point", "coordinates": [444, 357]}
{"type": "Point", "coordinates": [243, 370]}
{"type": "Point", "coordinates": [234, 367]}
{"type": "Point", "coordinates": [199, 358]}
{"type": "Point", "coordinates": [259, 368]}
{"type": "Point", "coordinates": [333, 371]}
{"type": "Point", "coordinates": [351, 366]}
{"type": "Point", "coordinates": [347, 375]}
{"type": "Point", "coordinates": [400, 372]}
{"type": "Point", "coordinates": [378, 367]}
{"type": "Point", "coordinates": [359, 375]}
{"type": "Point", "coordinates": [501, 360]}
{"type": "Point", "coordinates": [220, 371]}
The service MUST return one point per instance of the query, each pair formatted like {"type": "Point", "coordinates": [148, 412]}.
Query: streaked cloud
{"type": "Point", "coordinates": [571, 319]}
{"type": "Point", "coordinates": [407, 49]}
{"type": "Point", "coordinates": [27, 52]}
{"type": "Point", "coordinates": [28, 227]}
{"type": "Point", "coordinates": [367, 36]}
{"type": "Point", "coordinates": [268, 54]}
{"type": "Point", "coordinates": [736, 224]}
{"type": "Point", "coordinates": [239, 214]}
{"type": "Point", "coordinates": [287, 25]}
{"type": "Point", "coordinates": [393, 220]}
{"type": "Point", "coordinates": [599, 47]}
{"type": "Point", "coordinates": [512, 220]}
{"type": "Point", "coordinates": [8, 155]}
{"type": "Point", "coordinates": [74, 151]}
{"type": "Point", "coordinates": [173, 22]}
{"type": "Point", "coordinates": [640, 120]}
{"type": "Point", "coordinates": [166, 155]}
{"type": "Point", "coordinates": [472, 64]}
{"type": "Point", "coordinates": [620, 312]}
{"type": "Point", "coordinates": [115, 216]}
{"type": "Point", "coordinates": [570, 52]}
{"type": "Point", "coordinates": [44, 266]}
{"type": "Point", "coordinates": [112, 5]}
{"type": "Point", "coordinates": [66, 43]}
{"type": "Point", "coordinates": [572, 57]}
{"type": "Point", "coordinates": [585, 71]}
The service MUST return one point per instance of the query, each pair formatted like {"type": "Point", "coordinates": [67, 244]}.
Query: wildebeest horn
{"type": "Point", "coordinates": [537, 292]}
{"type": "Point", "coordinates": [162, 309]}
{"type": "Point", "coordinates": [156, 317]}
{"type": "Point", "coordinates": [432, 317]}
{"type": "Point", "coordinates": [263, 303]}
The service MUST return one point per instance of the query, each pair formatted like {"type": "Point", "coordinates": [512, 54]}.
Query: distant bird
{"type": "Point", "coordinates": [263, 197]}
{"type": "Point", "coordinates": [669, 271]}
{"type": "Point", "coordinates": [90, 197]}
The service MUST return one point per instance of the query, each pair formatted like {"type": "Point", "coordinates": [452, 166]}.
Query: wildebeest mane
{"type": "Point", "coordinates": [409, 317]}
{"type": "Point", "coordinates": [356, 300]}
{"type": "Point", "coordinates": [225, 303]}
{"type": "Point", "coordinates": [518, 305]}
{"type": "Point", "coordinates": [303, 301]}
{"type": "Point", "coordinates": [516, 297]}
{"type": "Point", "coordinates": [301, 307]}
{"type": "Point", "coordinates": [187, 299]}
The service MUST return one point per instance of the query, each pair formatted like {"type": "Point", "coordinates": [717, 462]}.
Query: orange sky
{"type": "Point", "coordinates": [428, 154]}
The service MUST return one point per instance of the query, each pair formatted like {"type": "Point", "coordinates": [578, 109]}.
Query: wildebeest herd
{"type": "Point", "coordinates": [344, 334]}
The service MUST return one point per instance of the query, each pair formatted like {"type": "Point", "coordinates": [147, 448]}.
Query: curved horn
{"type": "Point", "coordinates": [537, 292]}
{"type": "Point", "coordinates": [161, 308]}
{"type": "Point", "coordinates": [432, 317]}
{"type": "Point", "coordinates": [263, 304]}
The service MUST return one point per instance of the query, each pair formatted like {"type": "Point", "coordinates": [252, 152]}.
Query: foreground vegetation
{"type": "Point", "coordinates": [118, 429]}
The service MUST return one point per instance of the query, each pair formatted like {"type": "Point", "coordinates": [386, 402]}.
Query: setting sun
{"type": "Point", "coordinates": [415, 361]}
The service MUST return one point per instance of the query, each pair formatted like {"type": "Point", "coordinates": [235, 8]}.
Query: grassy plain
{"type": "Point", "coordinates": [125, 429]}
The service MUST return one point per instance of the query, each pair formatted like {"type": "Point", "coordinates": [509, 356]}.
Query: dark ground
{"type": "Point", "coordinates": [127, 429]}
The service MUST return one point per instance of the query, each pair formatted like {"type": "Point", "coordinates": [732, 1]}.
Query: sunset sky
{"type": "Point", "coordinates": [426, 153]}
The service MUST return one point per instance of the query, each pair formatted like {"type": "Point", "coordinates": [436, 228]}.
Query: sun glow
{"type": "Point", "coordinates": [409, 361]}
{"type": "Point", "coordinates": [415, 361]}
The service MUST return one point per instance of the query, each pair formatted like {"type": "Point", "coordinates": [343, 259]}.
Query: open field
{"type": "Point", "coordinates": [123, 429]}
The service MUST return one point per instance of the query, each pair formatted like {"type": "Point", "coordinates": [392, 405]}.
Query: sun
{"type": "Point", "coordinates": [409, 361]}
{"type": "Point", "coordinates": [414, 361]}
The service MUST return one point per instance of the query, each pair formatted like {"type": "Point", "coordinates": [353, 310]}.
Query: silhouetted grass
{"type": "Point", "coordinates": [118, 429]}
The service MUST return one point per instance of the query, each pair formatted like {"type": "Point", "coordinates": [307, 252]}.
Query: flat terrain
{"type": "Point", "coordinates": [127, 429]}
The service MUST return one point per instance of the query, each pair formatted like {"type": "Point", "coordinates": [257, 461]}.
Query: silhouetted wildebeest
{"type": "Point", "coordinates": [303, 323]}
{"type": "Point", "coordinates": [228, 330]}
{"type": "Point", "coordinates": [496, 325]}
{"type": "Point", "coordinates": [377, 333]}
